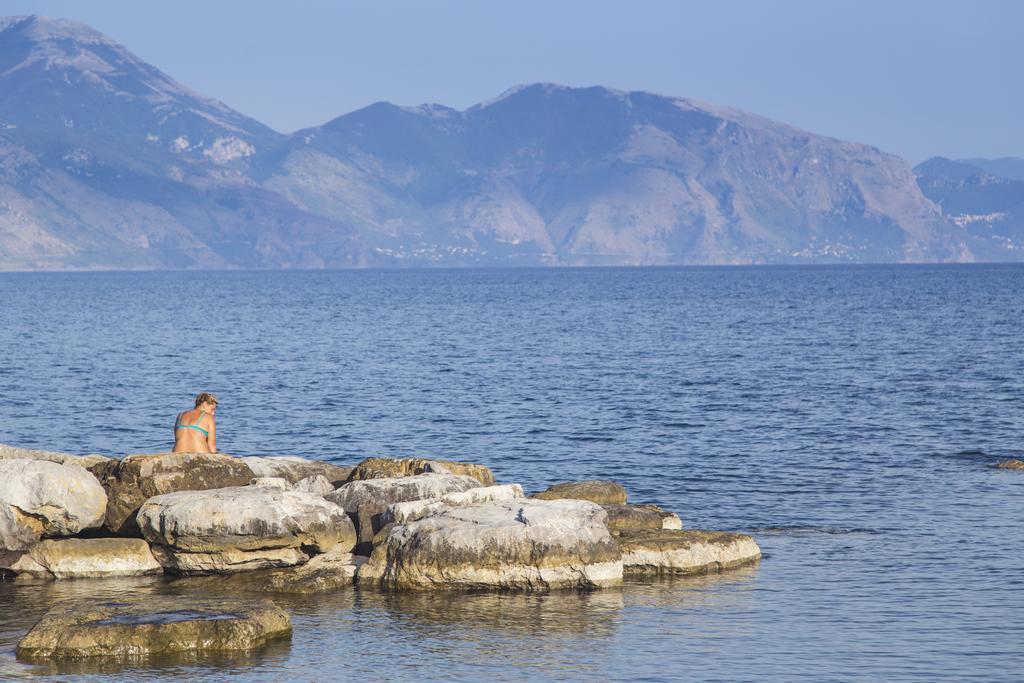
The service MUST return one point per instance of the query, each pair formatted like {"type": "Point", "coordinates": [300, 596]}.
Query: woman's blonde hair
{"type": "Point", "coordinates": [206, 398]}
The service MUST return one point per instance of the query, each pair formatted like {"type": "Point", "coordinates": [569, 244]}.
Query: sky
{"type": "Point", "coordinates": [918, 79]}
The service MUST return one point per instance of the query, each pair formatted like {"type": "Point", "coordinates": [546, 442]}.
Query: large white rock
{"type": "Point", "coordinates": [410, 511]}
{"type": "Point", "coordinates": [294, 469]}
{"type": "Point", "coordinates": [241, 528]}
{"type": "Point", "coordinates": [41, 498]}
{"type": "Point", "coordinates": [522, 544]}
{"type": "Point", "coordinates": [89, 462]}
{"type": "Point", "coordinates": [72, 558]}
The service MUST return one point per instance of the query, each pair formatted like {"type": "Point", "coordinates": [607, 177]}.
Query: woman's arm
{"type": "Point", "coordinates": [174, 429]}
{"type": "Point", "coordinates": [211, 440]}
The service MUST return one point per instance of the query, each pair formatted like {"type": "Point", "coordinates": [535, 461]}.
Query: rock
{"type": "Point", "coordinates": [316, 484]}
{"type": "Point", "coordinates": [152, 627]}
{"type": "Point", "coordinates": [402, 513]}
{"type": "Point", "coordinates": [381, 468]}
{"type": "Point", "coordinates": [41, 498]}
{"type": "Point", "coordinates": [272, 482]}
{"type": "Point", "coordinates": [73, 558]}
{"type": "Point", "coordinates": [295, 469]}
{"type": "Point", "coordinates": [328, 572]}
{"type": "Point", "coordinates": [241, 528]}
{"type": "Point", "coordinates": [140, 477]}
{"type": "Point", "coordinates": [366, 500]}
{"type": "Point", "coordinates": [594, 490]}
{"type": "Point", "coordinates": [637, 517]}
{"type": "Point", "coordinates": [521, 544]}
{"type": "Point", "coordinates": [1012, 464]}
{"type": "Point", "coordinates": [685, 552]}
{"type": "Point", "coordinates": [92, 462]}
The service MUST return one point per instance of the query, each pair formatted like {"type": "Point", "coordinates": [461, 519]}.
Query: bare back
{"type": "Point", "coordinates": [195, 431]}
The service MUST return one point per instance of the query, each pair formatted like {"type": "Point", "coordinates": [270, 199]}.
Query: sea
{"type": "Point", "coordinates": [848, 417]}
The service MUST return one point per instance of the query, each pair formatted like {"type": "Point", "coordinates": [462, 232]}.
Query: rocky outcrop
{"type": "Point", "coordinates": [75, 558]}
{"type": "Point", "coordinates": [367, 500]}
{"type": "Point", "coordinates": [403, 513]}
{"type": "Point", "coordinates": [294, 469]}
{"type": "Point", "coordinates": [140, 477]}
{"type": "Point", "coordinates": [330, 571]}
{"type": "Point", "coordinates": [153, 627]}
{"type": "Point", "coordinates": [594, 490]}
{"type": "Point", "coordinates": [521, 545]}
{"type": "Point", "coordinates": [380, 468]}
{"type": "Point", "coordinates": [41, 498]}
{"type": "Point", "coordinates": [95, 463]}
{"type": "Point", "coordinates": [640, 517]}
{"type": "Point", "coordinates": [1011, 464]}
{"type": "Point", "coordinates": [685, 552]}
{"type": "Point", "coordinates": [241, 528]}
{"type": "Point", "coordinates": [317, 484]}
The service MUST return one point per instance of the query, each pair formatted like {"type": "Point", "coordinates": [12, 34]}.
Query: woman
{"type": "Point", "coordinates": [195, 431]}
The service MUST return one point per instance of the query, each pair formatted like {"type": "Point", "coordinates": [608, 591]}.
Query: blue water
{"type": "Point", "coordinates": [845, 416]}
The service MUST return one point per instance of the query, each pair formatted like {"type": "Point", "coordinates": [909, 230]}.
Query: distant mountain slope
{"type": "Point", "coordinates": [989, 208]}
{"type": "Point", "coordinates": [105, 162]}
{"type": "Point", "coordinates": [1011, 168]}
{"type": "Point", "coordinates": [552, 174]}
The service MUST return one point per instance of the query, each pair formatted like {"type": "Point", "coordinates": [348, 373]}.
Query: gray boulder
{"type": "Point", "coordinates": [140, 477]}
{"type": "Point", "coordinates": [94, 462]}
{"type": "Point", "coordinates": [685, 552]}
{"type": "Point", "coordinates": [241, 528]}
{"type": "Point", "coordinates": [595, 490]}
{"type": "Point", "coordinates": [294, 469]}
{"type": "Point", "coordinates": [73, 558]}
{"type": "Point", "coordinates": [389, 468]}
{"type": "Point", "coordinates": [638, 517]}
{"type": "Point", "coordinates": [41, 498]}
{"type": "Point", "coordinates": [317, 484]}
{"type": "Point", "coordinates": [521, 544]}
{"type": "Point", "coordinates": [367, 500]}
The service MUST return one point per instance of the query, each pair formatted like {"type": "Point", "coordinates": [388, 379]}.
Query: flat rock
{"type": "Point", "coordinates": [521, 544]}
{"type": "Point", "coordinates": [595, 490]}
{"type": "Point", "coordinates": [294, 469]}
{"type": "Point", "coordinates": [153, 627]}
{"type": "Point", "coordinates": [241, 528]}
{"type": "Point", "coordinates": [74, 558]}
{"type": "Point", "coordinates": [330, 571]}
{"type": "Point", "coordinates": [41, 498]}
{"type": "Point", "coordinates": [639, 517]}
{"type": "Point", "coordinates": [685, 552]}
{"type": "Point", "coordinates": [140, 477]}
{"type": "Point", "coordinates": [402, 513]}
{"type": "Point", "coordinates": [367, 500]}
{"type": "Point", "coordinates": [93, 462]}
{"type": "Point", "coordinates": [380, 468]}
{"type": "Point", "coordinates": [1012, 464]}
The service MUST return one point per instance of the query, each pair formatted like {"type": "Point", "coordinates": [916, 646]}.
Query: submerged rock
{"type": "Point", "coordinates": [595, 490]}
{"type": "Point", "coordinates": [94, 462]}
{"type": "Point", "coordinates": [74, 558]}
{"type": "Point", "coordinates": [140, 477]}
{"type": "Point", "coordinates": [521, 544]}
{"type": "Point", "coordinates": [685, 552]}
{"type": "Point", "coordinates": [294, 469]}
{"type": "Point", "coordinates": [241, 528]}
{"type": "Point", "coordinates": [41, 498]}
{"type": "Point", "coordinates": [380, 468]}
{"type": "Point", "coordinates": [638, 517]}
{"type": "Point", "coordinates": [1012, 464]}
{"type": "Point", "coordinates": [367, 500]}
{"type": "Point", "coordinates": [153, 627]}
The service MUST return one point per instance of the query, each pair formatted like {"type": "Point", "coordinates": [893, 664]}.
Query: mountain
{"type": "Point", "coordinates": [987, 207]}
{"type": "Point", "coordinates": [107, 162]}
{"type": "Point", "coordinates": [1011, 168]}
{"type": "Point", "coordinates": [551, 174]}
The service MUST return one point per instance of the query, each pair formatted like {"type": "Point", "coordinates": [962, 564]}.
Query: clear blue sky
{"type": "Point", "coordinates": [914, 78]}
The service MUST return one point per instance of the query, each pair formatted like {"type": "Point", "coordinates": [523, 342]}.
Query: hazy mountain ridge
{"type": "Point", "coordinates": [107, 162]}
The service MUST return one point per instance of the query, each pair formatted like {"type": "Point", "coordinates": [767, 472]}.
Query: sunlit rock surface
{"type": "Point", "coordinates": [153, 626]}
{"type": "Point", "coordinates": [294, 469]}
{"type": "Point", "coordinates": [241, 528]}
{"type": "Point", "coordinates": [75, 558]}
{"type": "Point", "coordinates": [594, 490]}
{"type": "Point", "coordinates": [521, 544]}
{"type": "Point", "coordinates": [379, 468]}
{"type": "Point", "coordinates": [685, 552]}
{"type": "Point", "coordinates": [636, 517]}
{"type": "Point", "coordinates": [41, 498]}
